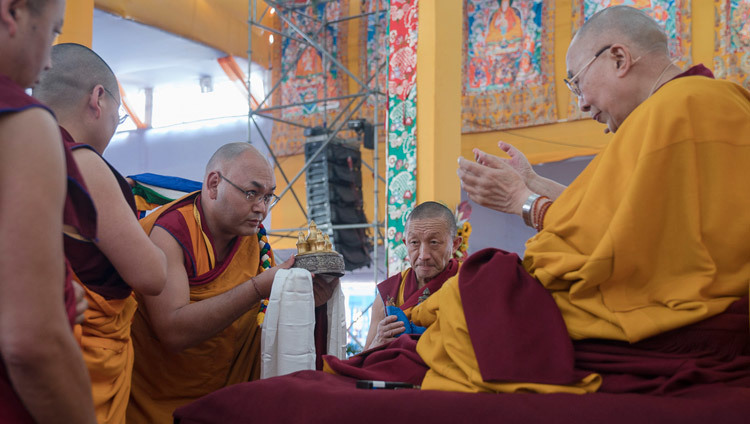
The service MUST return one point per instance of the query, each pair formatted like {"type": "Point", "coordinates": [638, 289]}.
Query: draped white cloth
{"type": "Point", "coordinates": [288, 341]}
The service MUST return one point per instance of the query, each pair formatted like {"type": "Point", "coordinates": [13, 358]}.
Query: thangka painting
{"type": "Point", "coordinates": [732, 60]}
{"type": "Point", "coordinates": [673, 15]}
{"type": "Point", "coordinates": [401, 149]}
{"type": "Point", "coordinates": [508, 64]}
{"type": "Point", "coordinates": [373, 40]}
{"type": "Point", "coordinates": [307, 75]}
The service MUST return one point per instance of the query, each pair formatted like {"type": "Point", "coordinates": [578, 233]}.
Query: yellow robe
{"type": "Point", "coordinates": [164, 381]}
{"type": "Point", "coordinates": [446, 348]}
{"type": "Point", "coordinates": [107, 349]}
{"type": "Point", "coordinates": [653, 235]}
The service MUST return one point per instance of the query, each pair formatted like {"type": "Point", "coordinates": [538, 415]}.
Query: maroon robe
{"type": "Point", "coordinates": [78, 214]}
{"type": "Point", "coordinates": [400, 360]}
{"type": "Point", "coordinates": [389, 288]}
{"type": "Point", "coordinates": [91, 266]}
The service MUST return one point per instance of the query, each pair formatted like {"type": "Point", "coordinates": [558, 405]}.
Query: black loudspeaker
{"type": "Point", "coordinates": [334, 196]}
{"type": "Point", "coordinates": [365, 130]}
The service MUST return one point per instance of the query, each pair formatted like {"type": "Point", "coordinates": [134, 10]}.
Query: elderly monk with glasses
{"type": "Point", "coordinates": [201, 333]}
{"type": "Point", "coordinates": [637, 280]}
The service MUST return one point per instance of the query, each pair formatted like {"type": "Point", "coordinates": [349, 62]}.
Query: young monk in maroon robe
{"type": "Point", "coordinates": [83, 92]}
{"type": "Point", "coordinates": [42, 375]}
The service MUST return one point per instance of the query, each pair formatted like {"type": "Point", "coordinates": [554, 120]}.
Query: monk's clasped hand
{"type": "Point", "coordinates": [388, 329]}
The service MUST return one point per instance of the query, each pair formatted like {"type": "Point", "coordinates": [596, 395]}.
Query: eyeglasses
{"type": "Point", "coordinates": [124, 116]}
{"type": "Point", "coordinates": [252, 195]}
{"type": "Point", "coordinates": [572, 83]}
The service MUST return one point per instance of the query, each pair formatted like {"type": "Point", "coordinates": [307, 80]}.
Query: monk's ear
{"type": "Point", "coordinates": [622, 59]}
{"type": "Point", "coordinates": [95, 99]}
{"type": "Point", "coordinates": [456, 243]}
{"type": "Point", "coordinates": [8, 14]}
{"type": "Point", "coordinates": [212, 185]}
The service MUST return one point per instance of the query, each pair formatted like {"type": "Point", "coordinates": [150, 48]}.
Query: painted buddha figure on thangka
{"type": "Point", "coordinates": [504, 43]}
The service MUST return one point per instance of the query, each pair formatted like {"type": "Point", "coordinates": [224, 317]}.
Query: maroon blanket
{"type": "Point", "coordinates": [514, 325]}
{"type": "Point", "coordinates": [395, 361]}
{"type": "Point", "coordinates": [716, 350]}
{"type": "Point", "coordinates": [316, 397]}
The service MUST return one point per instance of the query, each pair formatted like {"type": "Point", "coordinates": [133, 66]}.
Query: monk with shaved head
{"type": "Point", "coordinates": [82, 91]}
{"type": "Point", "coordinates": [645, 254]}
{"type": "Point", "coordinates": [42, 374]}
{"type": "Point", "coordinates": [201, 333]}
{"type": "Point", "coordinates": [431, 240]}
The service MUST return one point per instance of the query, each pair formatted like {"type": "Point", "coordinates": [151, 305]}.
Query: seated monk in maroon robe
{"type": "Point", "coordinates": [431, 241]}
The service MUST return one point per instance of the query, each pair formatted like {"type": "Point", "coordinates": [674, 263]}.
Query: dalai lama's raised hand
{"type": "Point", "coordinates": [498, 187]}
{"type": "Point", "coordinates": [535, 182]}
{"type": "Point", "coordinates": [517, 161]}
{"type": "Point", "coordinates": [493, 182]}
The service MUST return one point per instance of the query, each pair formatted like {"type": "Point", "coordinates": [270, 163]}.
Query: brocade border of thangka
{"type": "Point", "coordinates": [287, 139]}
{"type": "Point", "coordinates": [680, 39]}
{"type": "Point", "coordinates": [732, 41]}
{"type": "Point", "coordinates": [522, 104]}
{"type": "Point", "coordinates": [401, 149]}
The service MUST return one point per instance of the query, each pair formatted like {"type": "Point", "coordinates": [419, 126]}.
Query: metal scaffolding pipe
{"type": "Point", "coordinates": [317, 46]}
{"type": "Point", "coordinates": [283, 73]}
{"type": "Point", "coordinates": [283, 174]}
{"type": "Point", "coordinates": [327, 226]}
{"type": "Point", "coordinates": [283, 121]}
{"type": "Point", "coordinates": [326, 99]}
{"type": "Point", "coordinates": [349, 18]}
{"type": "Point", "coordinates": [322, 146]}
{"type": "Point", "coordinates": [343, 115]}
{"type": "Point", "coordinates": [325, 143]}
{"type": "Point", "coordinates": [277, 32]}
{"type": "Point", "coordinates": [368, 166]}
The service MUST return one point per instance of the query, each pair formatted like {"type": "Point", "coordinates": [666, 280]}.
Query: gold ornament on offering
{"type": "Point", "coordinates": [315, 253]}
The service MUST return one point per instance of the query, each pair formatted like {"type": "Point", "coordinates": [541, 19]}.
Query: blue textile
{"type": "Point", "coordinates": [400, 316]}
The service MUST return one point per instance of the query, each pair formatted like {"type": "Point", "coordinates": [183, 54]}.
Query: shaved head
{"type": "Point", "coordinates": [614, 23]}
{"type": "Point", "coordinates": [431, 240]}
{"type": "Point", "coordinates": [228, 152]}
{"type": "Point", "coordinates": [237, 188]}
{"type": "Point", "coordinates": [427, 210]}
{"type": "Point", "coordinates": [616, 61]}
{"type": "Point", "coordinates": [36, 6]}
{"type": "Point", "coordinates": [75, 71]}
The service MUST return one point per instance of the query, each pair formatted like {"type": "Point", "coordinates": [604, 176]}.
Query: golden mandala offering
{"type": "Point", "coordinates": [315, 253]}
